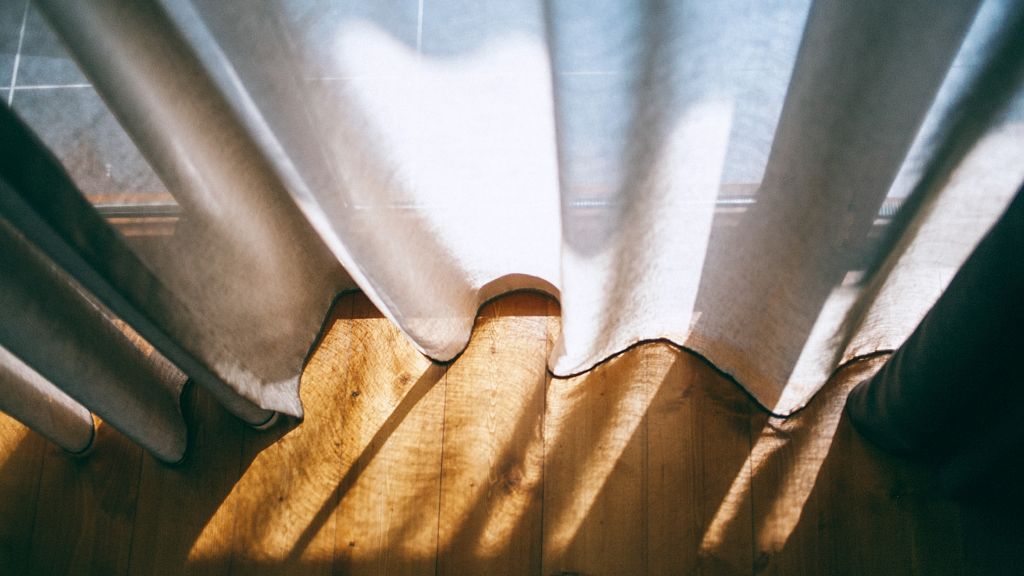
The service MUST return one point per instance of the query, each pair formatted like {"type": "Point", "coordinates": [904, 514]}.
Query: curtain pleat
{"type": "Point", "coordinates": [781, 187]}
{"type": "Point", "coordinates": [37, 403]}
{"type": "Point", "coordinates": [41, 202]}
{"type": "Point", "coordinates": [51, 326]}
{"type": "Point", "coordinates": [250, 280]}
{"type": "Point", "coordinates": [852, 110]}
{"type": "Point", "coordinates": [964, 169]}
{"type": "Point", "coordinates": [433, 180]}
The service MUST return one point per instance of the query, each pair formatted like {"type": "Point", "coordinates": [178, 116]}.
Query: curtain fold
{"type": "Point", "coordinates": [40, 405]}
{"type": "Point", "coordinates": [951, 392]}
{"type": "Point", "coordinates": [781, 187]}
{"type": "Point", "coordinates": [852, 109]}
{"type": "Point", "coordinates": [248, 279]}
{"type": "Point", "coordinates": [50, 325]}
{"type": "Point", "coordinates": [963, 169]}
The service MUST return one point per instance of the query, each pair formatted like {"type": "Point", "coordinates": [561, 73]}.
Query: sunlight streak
{"type": "Point", "coordinates": [625, 411]}
{"type": "Point", "coordinates": [739, 494]}
{"type": "Point", "coordinates": [795, 450]}
{"type": "Point", "coordinates": [508, 506]}
{"type": "Point", "coordinates": [12, 433]}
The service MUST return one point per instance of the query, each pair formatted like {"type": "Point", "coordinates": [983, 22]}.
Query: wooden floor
{"type": "Point", "coordinates": [650, 464]}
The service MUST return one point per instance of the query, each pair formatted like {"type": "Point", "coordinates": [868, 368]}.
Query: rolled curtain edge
{"type": "Point", "coordinates": [43, 203]}
{"type": "Point", "coordinates": [221, 175]}
{"type": "Point", "coordinates": [37, 403]}
{"type": "Point", "coordinates": [50, 325]}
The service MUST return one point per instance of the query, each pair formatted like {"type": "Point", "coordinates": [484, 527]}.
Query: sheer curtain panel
{"type": "Point", "coordinates": [782, 187]}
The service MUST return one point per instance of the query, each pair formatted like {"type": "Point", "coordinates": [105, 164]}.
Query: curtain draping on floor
{"type": "Point", "coordinates": [952, 393]}
{"type": "Point", "coordinates": [779, 186]}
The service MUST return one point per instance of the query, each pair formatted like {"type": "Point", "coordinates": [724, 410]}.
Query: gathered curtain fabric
{"type": "Point", "coordinates": [782, 187]}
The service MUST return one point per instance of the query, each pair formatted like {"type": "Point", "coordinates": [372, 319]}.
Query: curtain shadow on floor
{"type": "Point", "coordinates": [651, 463]}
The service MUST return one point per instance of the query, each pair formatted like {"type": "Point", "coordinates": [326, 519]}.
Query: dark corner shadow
{"type": "Point", "coordinates": [21, 466]}
{"type": "Point", "coordinates": [855, 498]}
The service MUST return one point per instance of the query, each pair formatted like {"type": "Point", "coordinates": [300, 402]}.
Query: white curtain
{"type": "Point", "coordinates": [780, 186]}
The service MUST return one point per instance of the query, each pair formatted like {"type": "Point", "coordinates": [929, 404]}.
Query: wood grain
{"type": "Point", "coordinates": [21, 461]}
{"type": "Point", "coordinates": [392, 421]}
{"type": "Point", "coordinates": [595, 481]}
{"type": "Point", "coordinates": [827, 502]}
{"type": "Point", "coordinates": [492, 468]}
{"type": "Point", "coordinates": [284, 504]}
{"type": "Point", "coordinates": [86, 508]}
{"type": "Point", "coordinates": [177, 504]}
{"type": "Point", "coordinates": [653, 463]}
{"type": "Point", "coordinates": [698, 444]}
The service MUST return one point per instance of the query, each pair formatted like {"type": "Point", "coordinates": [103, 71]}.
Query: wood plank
{"type": "Point", "coordinates": [651, 463]}
{"type": "Point", "coordinates": [492, 469]}
{"type": "Point", "coordinates": [788, 456]}
{"type": "Point", "coordinates": [595, 465]}
{"type": "Point", "coordinates": [21, 460]}
{"type": "Point", "coordinates": [392, 418]}
{"type": "Point", "coordinates": [826, 501]}
{"type": "Point", "coordinates": [284, 504]}
{"type": "Point", "coordinates": [86, 508]}
{"type": "Point", "coordinates": [698, 444]}
{"type": "Point", "coordinates": [174, 525]}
